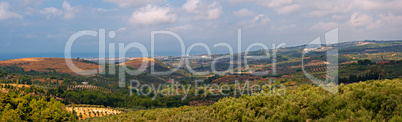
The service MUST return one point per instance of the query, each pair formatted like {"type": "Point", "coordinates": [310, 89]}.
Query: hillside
{"type": "Point", "coordinates": [376, 100]}
{"type": "Point", "coordinates": [48, 64]}
{"type": "Point", "coordinates": [88, 111]}
{"type": "Point", "coordinates": [238, 78]}
{"type": "Point", "coordinates": [158, 66]}
{"type": "Point", "coordinates": [19, 107]}
{"type": "Point", "coordinates": [289, 59]}
{"type": "Point", "coordinates": [137, 62]}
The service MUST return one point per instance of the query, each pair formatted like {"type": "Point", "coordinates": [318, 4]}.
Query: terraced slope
{"type": "Point", "coordinates": [158, 66]}
{"type": "Point", "coordinates": [88, 112]}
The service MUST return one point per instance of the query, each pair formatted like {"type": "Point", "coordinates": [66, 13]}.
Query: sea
{"type": "Point", "coordinates": [82, 55]}
{"type": "Point", "coordinates": [8, 56]}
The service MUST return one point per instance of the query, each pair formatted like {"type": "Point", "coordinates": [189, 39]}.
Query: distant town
{"type": "Point", "coordinates": [204, 56]}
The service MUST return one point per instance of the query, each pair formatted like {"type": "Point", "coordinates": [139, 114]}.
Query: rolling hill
{"type": "Point", "coordinates": [137, 62]}
{"type": "Point", "coordinates": [374, 100]}
{"type": "Point", "coordinates": [48, 64]}
{"type": "Point", "coordinates": [158, 66]}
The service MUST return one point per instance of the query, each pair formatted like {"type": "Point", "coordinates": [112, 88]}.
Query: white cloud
{"type": "Point", "coordinates": [127, 3]}
{"type": "Point", "coordinates": [283, 7]}
{"type": "Point", "coordinates": [5, 13]}
{"type": "Point", "coordinates": [202, 10]}
{"type": "Point", "coordinates": [379, 4]}
{"type": "Point", "coordinates": [278, 3]}
{"type": "Point", "coordinates": [214, 12]}
{"type": "Point", "coordinates": [391, 19]}
{"type": "Point", "coordinates": [69, 11]}
{"type": "Point", "coordinates": [338, 17]}
{"type": "Point", "coordinates": [261, 19]}
{"type": "Point", "coordinates": [102, 10]}
{"type": "Point", "coordinates": [28, 3]}
{"type": "Point", "coordinates": [362, 22]}
{"type": "Point", "coordinates": [280, 6]}
{"type": "Point", "coordinates": [287, 9]}
{"type": "Point", "coordinates": [51, 11]}
{"type": "Point", "coordinates": [243, 12]}
{"type": "Point", "coordinates": [122, 29]}
{"type": "Point", "coordinates": [258, 20]}
{"type": "Point", "coordinates": [181, 27]}
{"type": "Point", "coordinates": [191, 6]}
{"type": "Point", "coordinates": [323, 8]}
{"type": "Point", "coordinates": [324, 26]}
{"type": "Point", "coordinates": [239, 1]}
{"type": "Point", "coordinates": [28, 6]}
{"type": "Point", "coordinates": [320, 9]}
{"type": "Point", "coordinates": [308, 16]}
{"type": "Point", "coordinates": [152, 14]}
{"type": "Point", "coordinates": [360, 19]}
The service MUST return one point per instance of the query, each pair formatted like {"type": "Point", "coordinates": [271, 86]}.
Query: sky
{"type": "Point", "coordinates": [44, 26]}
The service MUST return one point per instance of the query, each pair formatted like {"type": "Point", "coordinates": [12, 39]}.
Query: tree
{"type": "Point", "coordinates": [14, 107]}
{"type": "Point", "coordinates": [4, 74]}
{"type": "Point", "coordinates": [364, 62]}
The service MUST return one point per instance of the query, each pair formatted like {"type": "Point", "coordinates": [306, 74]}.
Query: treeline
{"type": "Point", "coordinates": [51, 78]}
{"type": "Point", "coordinates": [124, 100]}
{"type": "Point", "coordinates": [21, 80]}
{"type": "Point", "coordinates": [26, 77]}
{"type": "Point", "coordinates": [357, 78]}
{"type": "Point", "coordinates": [374, 71]}
{"type": "Point", "coordinates": [20, 71]}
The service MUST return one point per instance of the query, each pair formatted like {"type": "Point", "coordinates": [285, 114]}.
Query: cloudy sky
{"type": "Point", "coordinates": [42, 26]}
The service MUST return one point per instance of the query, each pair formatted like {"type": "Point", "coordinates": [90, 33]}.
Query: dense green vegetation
{"type": "Point", "coordinates": [27, 76]}
{"type": "Point", "coordinates": [361, 70]}
{"type": "Point", "coordinates": [106, 97]}
{"type": "Point", "coordinates": [364, 101]}
{"type": "Point", "coordinates": [17, 107]}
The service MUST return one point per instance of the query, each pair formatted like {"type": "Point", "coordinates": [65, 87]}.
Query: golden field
{"type": "Point", "coordinates": [48, 64]}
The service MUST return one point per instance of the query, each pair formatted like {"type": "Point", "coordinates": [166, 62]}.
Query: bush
{"type": "Point", "coordinates": [364, 101]}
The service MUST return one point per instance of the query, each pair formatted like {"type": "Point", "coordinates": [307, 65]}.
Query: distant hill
{"type": "Point", "coordinates": [48, 64]}
{"type": "Point", "coordinates": [239, 78]}
{"type": "Point", "coordinates": [137, 62]}
{"type": "Point", "coordinates": [158, 66]}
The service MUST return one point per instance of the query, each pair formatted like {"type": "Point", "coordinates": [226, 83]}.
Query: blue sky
{"type": "Point", "coordinates": [43, 26]}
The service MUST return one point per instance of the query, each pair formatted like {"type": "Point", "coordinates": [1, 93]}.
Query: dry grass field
{"type": "Point", "coordinates": [16, 85]}
{"type": "Point", "coordinates": [46, 64]}
{"type": "Point", "coordinates": [137, 62]}
{"type": "Point", "coordinates": [88, 112]}
{"type": "Point", "coordinates": [48, 79]}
